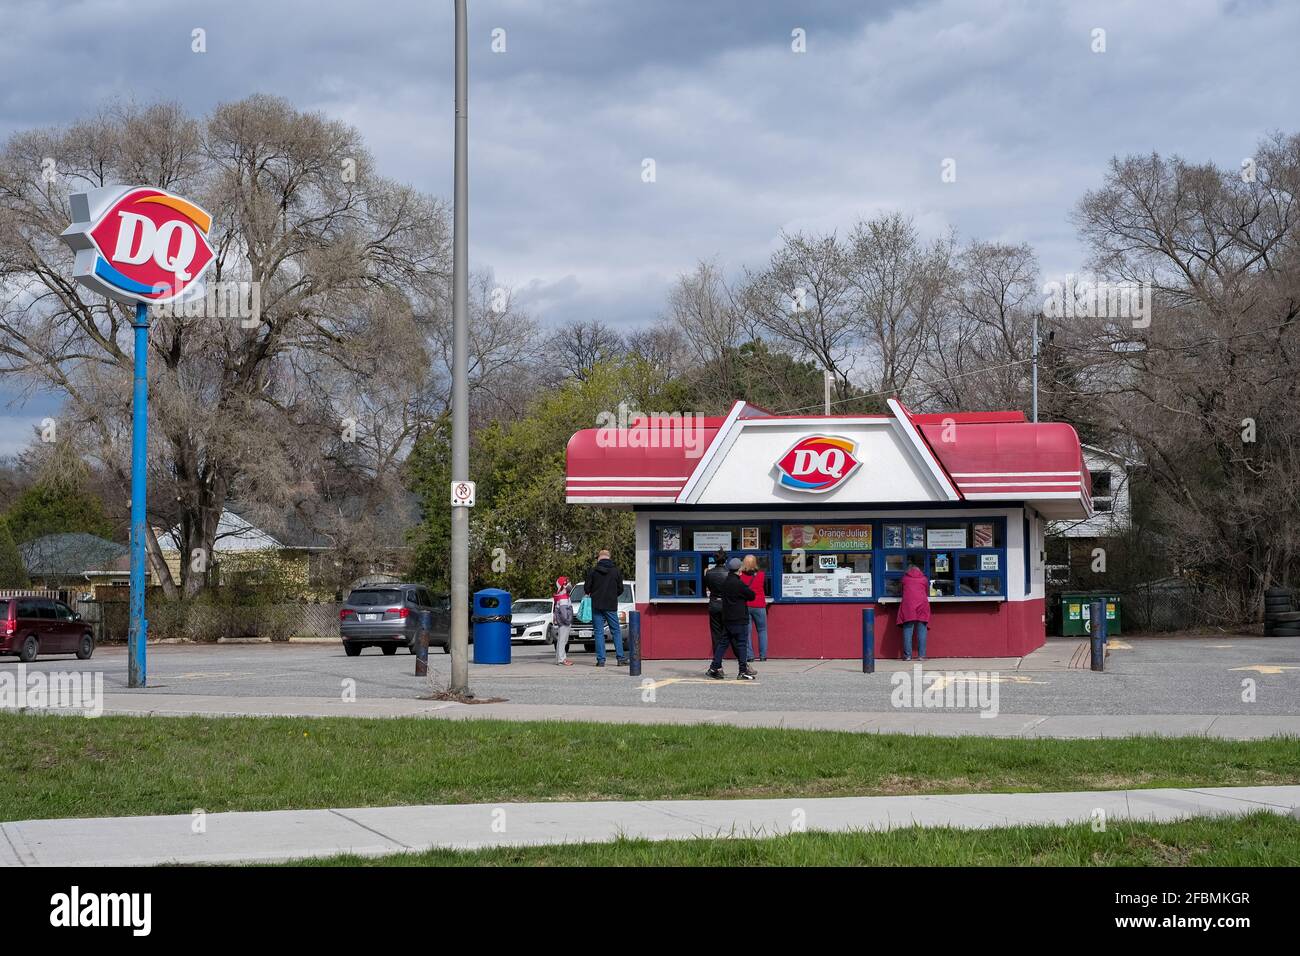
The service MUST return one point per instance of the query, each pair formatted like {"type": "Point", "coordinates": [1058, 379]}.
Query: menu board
{"type": "Point", "coordinates": [854, 585]}
{"type": "Point", "coordinates": [711, 541]}
{"type": "Point", "coordinates": [946, 537]}
{"type": "Point", "coordinates": [840, 583]}
{"type": "Point", "coordinates": [826, 537]}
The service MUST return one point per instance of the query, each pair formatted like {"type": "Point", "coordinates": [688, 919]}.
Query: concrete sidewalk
{"type": "Point", "coordinates": [946, 723]}
{"type": "Point", "coordinates": [298, 834]}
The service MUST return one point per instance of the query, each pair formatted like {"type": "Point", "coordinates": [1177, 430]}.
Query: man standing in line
{"type": "Point", "coordinates": [604, 585]}
{"type": "Point", "coordinates": [735, 614]}
{"type": "Point", "coordinates": [714, 578]}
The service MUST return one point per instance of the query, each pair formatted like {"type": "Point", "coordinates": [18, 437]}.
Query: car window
{"type": "Point", "coordinates": [4, 609]}
{"type": "Point", "coordinates": [413, 596]}
{"type": "Point", "coordinates": [62, 611]}
{"type": "Point", "coordinates": [576, 594]}
{"type": "Point", "coordinates": [26, 608]}
{"type": "Point", "coordinates": [626, 596]}
{"type": "Point", "coordinates": [530, 607]}
{"type": "Point", "coordinates": [374, 598]}
{"type": "Point", "coordinates": [46, 612]}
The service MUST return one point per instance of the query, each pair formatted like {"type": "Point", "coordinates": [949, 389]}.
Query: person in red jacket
{"type": "Point", "coordinates": [914, 610]}
{"type": "Point", "coordinates": [753, 578]}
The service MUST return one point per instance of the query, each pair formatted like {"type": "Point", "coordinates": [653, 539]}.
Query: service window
{"type": "Point", "coordinates": [681, 551]}
{"type": "Point", "coordinates": [965, 558]}
{"type": "Point", "coordinates": [830, 561]}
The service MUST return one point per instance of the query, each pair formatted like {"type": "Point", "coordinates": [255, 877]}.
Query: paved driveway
{"type": "Point", "coordinates": [1143, 676]}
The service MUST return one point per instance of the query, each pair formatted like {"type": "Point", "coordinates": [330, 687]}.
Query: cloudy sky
{"type": "Point", "coordinates": [748, 137]}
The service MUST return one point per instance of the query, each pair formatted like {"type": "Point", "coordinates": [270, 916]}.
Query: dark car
{"type": "Point", "coordinates": [387, 616]}
{"type": "Point", "coordinates": [31, 626]}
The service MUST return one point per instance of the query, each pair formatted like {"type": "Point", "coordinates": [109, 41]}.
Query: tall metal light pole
{"type": "Point", "coordinates": [1035, 366]}
{"type": "Point", "coordinates": [460, 368]}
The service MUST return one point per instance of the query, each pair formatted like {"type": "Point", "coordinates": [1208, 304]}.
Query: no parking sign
{"type": "Point", "coordinates": [462, 494]}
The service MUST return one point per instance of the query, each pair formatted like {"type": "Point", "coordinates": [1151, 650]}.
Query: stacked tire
{"type": "Point", "coordinates": [1281, 619]}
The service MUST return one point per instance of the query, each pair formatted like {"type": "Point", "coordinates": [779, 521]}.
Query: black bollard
{"type": "Point", "coordinates": [422, 644]}
{"type": "Point", "coordinates": [1097, 633]}
{"type": "Point", "coordinates": [634, 644]}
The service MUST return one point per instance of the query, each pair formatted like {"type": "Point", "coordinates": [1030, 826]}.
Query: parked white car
{"type": "Point", "coordinates": [530, 619]}
{"type": "Point", "coordinates": [583, 633]}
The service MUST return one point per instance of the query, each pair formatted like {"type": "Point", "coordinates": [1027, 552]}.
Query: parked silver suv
{"type": "Point", "coordinates": [387, 616]}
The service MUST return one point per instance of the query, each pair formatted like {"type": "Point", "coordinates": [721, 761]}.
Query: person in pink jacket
{"type": "Point", "coordinates": [914, 610]}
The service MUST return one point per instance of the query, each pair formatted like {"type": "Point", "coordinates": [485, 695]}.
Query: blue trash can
{"type": "Point", "coordinates": [490, 616]}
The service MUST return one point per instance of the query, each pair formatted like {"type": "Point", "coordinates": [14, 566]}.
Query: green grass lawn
{"type": "Point", "coordinates": [59, 766]}
{"type": "Point", "coordinates": [1261, 839]}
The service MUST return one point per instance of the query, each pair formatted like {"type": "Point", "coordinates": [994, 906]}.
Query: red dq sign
{"type": "Point", "coordinates": [817, 464]}
{"type": "Point", "coordinates": [138, 243]}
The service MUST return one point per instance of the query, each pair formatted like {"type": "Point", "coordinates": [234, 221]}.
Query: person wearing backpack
{"type": "Point", "coordinates": [714, 578]}
{"type": "Point", "coordinates": [604, 585]}
{"type": "Point", "coordinates": [562, 618]}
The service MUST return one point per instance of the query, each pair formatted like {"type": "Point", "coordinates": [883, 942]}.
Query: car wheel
{"type": "Point", "coordinates": [446, 648]}
{"type": "Point", "coordinates": [390, 650]}
{"type": "Point", "coordinates": [589, 647]}
{"type": "Point", "coordinates": [86, 647]}
{"type": "Point", "coordinates": [30, 648]}
{"type": "Point", "coordinates": [350, 649]}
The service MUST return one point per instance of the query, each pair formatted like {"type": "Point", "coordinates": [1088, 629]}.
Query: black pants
{"type": "Point", "coordinates": [717, 628]}
{"type": "Point", "coordinates": [735, 636]}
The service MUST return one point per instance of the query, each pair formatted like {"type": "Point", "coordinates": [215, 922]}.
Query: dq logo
{"type": "Point", "coordinates": [138, 244]}
{"type": "Point", "coordinates": [818, 463]}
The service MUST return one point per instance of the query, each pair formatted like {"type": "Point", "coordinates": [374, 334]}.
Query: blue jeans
{"type": "Point", "coordinates": [907, 639]}
{"type": "Point", "coordinates": [598, 621]}
{"type": "Point", "coordinates": [758, 616]}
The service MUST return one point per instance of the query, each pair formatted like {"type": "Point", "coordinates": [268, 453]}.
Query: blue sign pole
{"type": "Point", "coordinates": [137, 674]}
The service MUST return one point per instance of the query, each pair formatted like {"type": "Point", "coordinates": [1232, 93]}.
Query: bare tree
{"type": "Point", "coordinates": [901, 286]}
{"type": "Point", "coordinates": [704, 314]}
{"type": "Point", "coordinates": [1208, 391]}
{"type": "Point", "coordinates": [574, 349]}
{"type": "Point", "coordinates": [806, 300]}
{"type": "Point", "coordinates": [298, 210]}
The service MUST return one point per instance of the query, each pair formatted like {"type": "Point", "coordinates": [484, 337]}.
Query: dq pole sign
{"type": "Point", "coordinates": [138, 245]}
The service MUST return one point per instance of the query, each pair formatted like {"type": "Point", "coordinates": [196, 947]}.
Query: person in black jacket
{"type": "Point", "coordinates": [604, 585]}
{"type": "Point", "coordinates": [714, 579]}
{"type": "Point", "coordinates": [736, 596]}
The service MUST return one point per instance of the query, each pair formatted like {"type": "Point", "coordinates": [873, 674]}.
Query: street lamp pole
{"type": "Point", "coordinates": [1035, 366]}
{"type": "Point", "coordinates": [460, 368]}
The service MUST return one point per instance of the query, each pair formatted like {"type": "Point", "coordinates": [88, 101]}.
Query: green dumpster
{"type": "Point", "coordinates": [1075, 614]}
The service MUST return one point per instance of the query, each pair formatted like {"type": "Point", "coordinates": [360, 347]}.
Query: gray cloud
{"type": "Point", "coordinates": [749, 138]}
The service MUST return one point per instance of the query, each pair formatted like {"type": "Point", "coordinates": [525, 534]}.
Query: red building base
{"type": "Point", "coordinates": [834, 631]}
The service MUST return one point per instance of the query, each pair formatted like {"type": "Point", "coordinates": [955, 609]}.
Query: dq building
{"type": "Point", "coordinates": [835, 508]}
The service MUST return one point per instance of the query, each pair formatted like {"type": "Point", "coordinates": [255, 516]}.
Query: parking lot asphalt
{"type": "Point", "coordinates": [1219, 675]}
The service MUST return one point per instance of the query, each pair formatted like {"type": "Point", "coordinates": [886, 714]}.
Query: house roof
{"type": "Point", "coordinates": [72, 555]}
{"type": "Point", "coordinates": [978, 456]}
